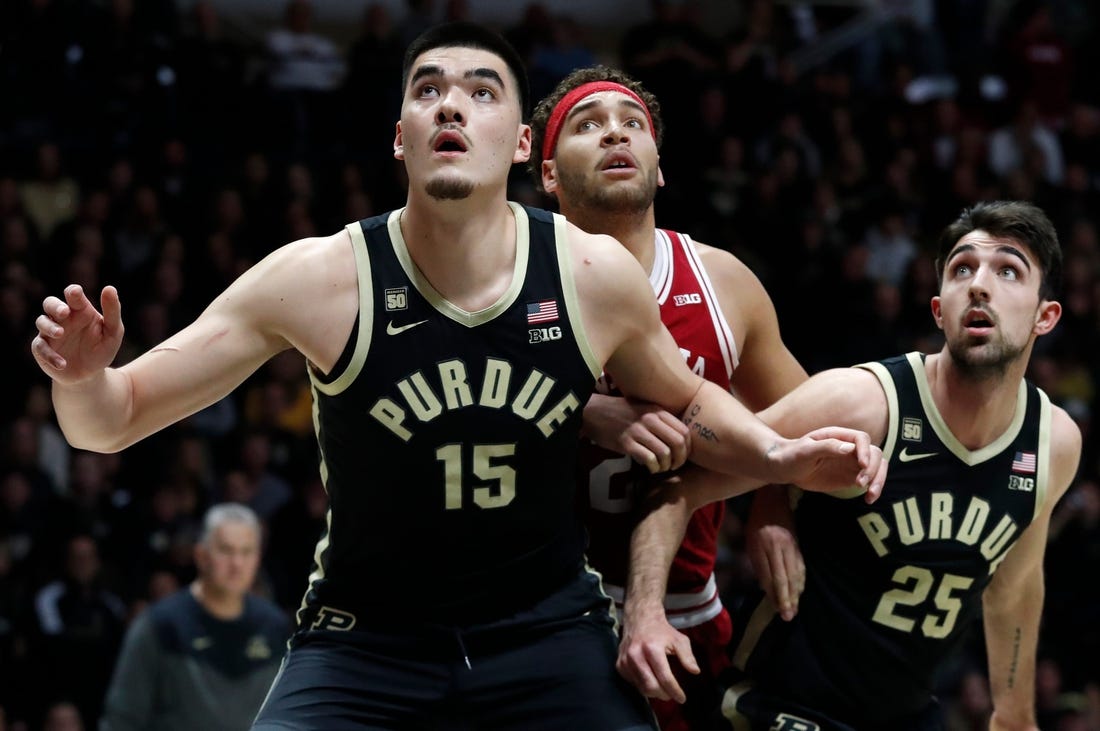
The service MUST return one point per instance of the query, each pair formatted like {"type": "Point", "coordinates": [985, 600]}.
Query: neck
{"type": "Point", "coordinates": [979, 409]}
{"type": "Point", "coordinates": [634, 230]}
{"type": "Point", "coordinates": [467, 251]}
{"type": "Point", "coordinates": [222, 605]}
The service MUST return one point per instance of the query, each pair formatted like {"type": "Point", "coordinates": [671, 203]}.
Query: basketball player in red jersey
{"type": "Point", "coordinates": [595, 148]}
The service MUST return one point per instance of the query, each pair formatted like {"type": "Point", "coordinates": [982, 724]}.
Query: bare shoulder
{"type": "Point", "coordinates": [603, 269]}
{"type": "Point", "coordinates": [1065, 451]}
{"type": "Point", "coordinates": [305, 292]}
{"type": "Point", "coordinates": [721, 264]}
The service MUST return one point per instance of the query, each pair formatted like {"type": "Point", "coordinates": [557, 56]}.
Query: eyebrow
{"type": "Point", "coordinates": [584, 106]}
{"type": "Point", "coordinates": [478, 73]}
{"type": "Point", "coordinates": [1003, 249]}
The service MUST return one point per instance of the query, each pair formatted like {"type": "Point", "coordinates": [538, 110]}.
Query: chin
{"type": "Point", "coordinates": [446, 188]}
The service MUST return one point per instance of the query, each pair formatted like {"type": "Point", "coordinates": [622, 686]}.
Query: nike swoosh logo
{"type": "Point", "coordinates": [906, 457]}
{"type": "Point", "coordinates": [391, 330]}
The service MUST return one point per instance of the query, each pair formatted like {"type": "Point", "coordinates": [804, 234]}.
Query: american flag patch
{"type": "Point", "coordinates": [1024, 462]}
{"type": "Point", "coordinates": [545, 311]}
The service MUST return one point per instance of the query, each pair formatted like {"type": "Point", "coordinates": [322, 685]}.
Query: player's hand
{"type": "Point", "coordinates": [647, 643]}
{"type": "Point", "coordinates": [645, 432]}
{"type": "Point", "coordinates": [75, 341]}
{"type": "Point", "coordinates": [773, 550]}
{"type": "Point", "coordinates": [832, 459]}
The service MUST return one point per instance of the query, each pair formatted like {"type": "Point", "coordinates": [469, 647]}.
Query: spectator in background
{"type": "Point", "coordinates": [79, 623]}
{"type": "Point", "coordinates": [203, 657]}
{"type": "Point", "coordinates": [305, 71]}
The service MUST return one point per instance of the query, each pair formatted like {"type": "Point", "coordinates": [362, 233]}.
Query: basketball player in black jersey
{"type": "Point", "coordinates": [978, 456]}
{"type": "Point", "coordinates": [451, 345]}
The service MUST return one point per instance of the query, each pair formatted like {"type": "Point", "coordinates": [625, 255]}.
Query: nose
{"type": "Point", "coordinates": [979, 289]}
{"type": "Point", "coordinates": [615, 133]}
{"type": "Point", "coordinates": [450, 110]}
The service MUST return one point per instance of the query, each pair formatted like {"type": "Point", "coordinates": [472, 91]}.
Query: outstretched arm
{"type": "Point", "coordinates": [1013, 602]}
{"type": "Point", "coordinates": [269, 308]}
{"type": "Point", "coordinates": [626, 334]}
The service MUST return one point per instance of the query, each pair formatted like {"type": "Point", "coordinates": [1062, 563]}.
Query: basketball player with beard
{"type": "Point", "coordinates": [595, 144]}
{"type": "Point", "coordinates": [978, 457]}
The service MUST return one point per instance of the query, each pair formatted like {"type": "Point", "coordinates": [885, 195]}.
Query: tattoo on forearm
{"type": "Point", "coordinates": [1012, 666]}
{"type": "Point", "coordinates": [703, 431]}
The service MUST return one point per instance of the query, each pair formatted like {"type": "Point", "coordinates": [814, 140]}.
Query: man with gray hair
{"type": "Point", "coordinates": [205, 656]}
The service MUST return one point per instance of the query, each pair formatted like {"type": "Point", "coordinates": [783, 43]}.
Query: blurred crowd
{"type": "Point", "coordinates": [162, 149]}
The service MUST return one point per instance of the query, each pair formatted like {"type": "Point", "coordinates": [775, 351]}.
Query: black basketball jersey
{"type": "Point", "coordinates": [448, 439]}
{"type": "Point", "coordinates": [892, 587]}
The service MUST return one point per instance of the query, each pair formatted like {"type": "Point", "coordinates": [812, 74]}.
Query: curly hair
{"type": "Point", "coordinates": [545, 108]}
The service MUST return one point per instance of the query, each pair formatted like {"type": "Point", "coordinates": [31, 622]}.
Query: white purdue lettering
{"type": "Point", "coordinates": [531, 397]}
{"type": "Point", "coordinates": [876, 530]}
{"type": "Point", "coordinates": [907, 518]}
{"type": "Point", "coordinates": [553, 418]}
{"type": "Point", "coordinates": [910, 530]}
{"type": "Point", "coordinates": [424, 403]}
{"type": "Point", "coordinates": [457, 393]}
{"type": "Point", "coordinates": [391, 416]}
{"type": "Point", "coordinates": [455, 388]}
{"type": "Point", "coordinates": [939, 525]}
{"type": "Point", "coordinates": [494, 389]}
{"type": "Point", "coordinates": [973, 522]}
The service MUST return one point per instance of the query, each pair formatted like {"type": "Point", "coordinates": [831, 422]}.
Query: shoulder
{"type": "Point", "coordinates": [265, 613]}
{"type": "Point", "coordinates": [176, 608]}
{"type": "Point", "coordinates": [603, 268]}
{"type": "Point", "coordinates": [1065, 451]}
{"type": "Point", "coordinates": [740, 291]}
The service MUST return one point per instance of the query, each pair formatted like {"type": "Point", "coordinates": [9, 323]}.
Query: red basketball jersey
{"type": "Point", "coordinates": [691, 312]}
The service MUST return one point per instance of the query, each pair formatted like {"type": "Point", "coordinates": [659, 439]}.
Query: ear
{"type": "Point", "coordinates": [660, 175]}
{"type": "Point", "coordinates": [550, 176]}
{"type": "Point", "coordinates": [398, 145]}
{"type": "Point", "coordinates": [1047, 316]}
{"type": "Point", "coordinates": [523, 146]}
{"type": "Point", "coordinates": [937, 313]}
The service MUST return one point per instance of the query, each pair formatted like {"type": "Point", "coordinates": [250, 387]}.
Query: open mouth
{"type": "Point", "coordinates": [978, 321]}
{"type": "Point", "coordinates": [449, 142]}
{"type": "Point", "coordinates": [619, 161]}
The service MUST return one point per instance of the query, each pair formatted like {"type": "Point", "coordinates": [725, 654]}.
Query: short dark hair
{"type": "Point", "coordinates": [545, 108]}
{"type": "Point", "coordinates": [463, 34]}
{"type": "Point", "coordinates": [1020, 221]}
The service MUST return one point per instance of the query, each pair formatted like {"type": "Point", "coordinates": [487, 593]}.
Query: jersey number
{"type": "Point", "coordinates": [487, 496]}
{"type": "Point", "coordinates": [916, 584]}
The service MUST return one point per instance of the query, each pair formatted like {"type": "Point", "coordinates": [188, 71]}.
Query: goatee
{"type": "Point", "coordinates": [449, 189]}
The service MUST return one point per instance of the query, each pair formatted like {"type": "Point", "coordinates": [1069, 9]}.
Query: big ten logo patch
{"type": "Point", "coordinates": [687, 299]}
{"type": "Point", "coordinates": [1023, 484]}
{"type": "Point", "coordinates": [787, 722]}
{"type": "Point", "coordinates": [911, 429]}
{"type": "Point", "coordinates": [543, 334]}
{"type": "Point", "coordinates": [334, 619]}
{"type": "Point", "coordinates": [397, 299]}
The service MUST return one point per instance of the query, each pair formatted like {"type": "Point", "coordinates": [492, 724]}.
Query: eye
{"type": "Point", "coordinates": [1010, 273]}
{"type": "Point", "coordinates": [587, 125]}
{"type": "Point", "coordinates": [635, 123]}
{"type": "Point", "coordinates": [428, 90]}
{"type": "Point", "coordinates": [961, 270]}
{"type": "Point", "coordinates": [485, 94]}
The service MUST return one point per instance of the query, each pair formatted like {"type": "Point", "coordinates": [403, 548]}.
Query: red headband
{"type": "Point", "coordinates": [553, 127]}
